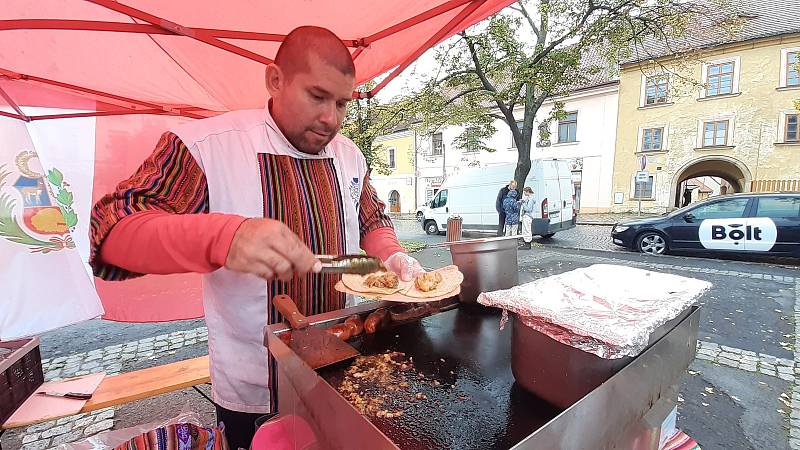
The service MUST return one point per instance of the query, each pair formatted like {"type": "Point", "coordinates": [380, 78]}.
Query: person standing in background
{"type": "Point", "coordinates": [526, 211]}
{"type": "Point", "coordinates": [511, 208]}
{"type": "Point", "coordinates": [498, 205]}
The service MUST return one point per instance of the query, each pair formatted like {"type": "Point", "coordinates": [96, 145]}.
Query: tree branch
{"type": "Point", "coordinates": [522, 10]}
{"type": "Point", "coordinates": [456, 74]}
{"type": "Point", "coordinates": [463, 93]}
{"type": "Point", "coordinates": [484, 80]}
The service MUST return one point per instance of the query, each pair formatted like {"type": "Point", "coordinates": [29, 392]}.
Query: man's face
{"type": "Point", "coordinates": [309, 107]}
{"type": "Point", "coordinates": [512, 185]}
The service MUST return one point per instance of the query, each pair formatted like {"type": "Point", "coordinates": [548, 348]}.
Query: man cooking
{"type": "Point", "coordinates": [247, 197]}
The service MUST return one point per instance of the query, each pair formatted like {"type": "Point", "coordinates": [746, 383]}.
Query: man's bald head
{"type": "Point", "coordinates": [294, 52]}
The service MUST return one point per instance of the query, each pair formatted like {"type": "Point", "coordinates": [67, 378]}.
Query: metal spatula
{"type": "Point", "coordinates": [314, 346]}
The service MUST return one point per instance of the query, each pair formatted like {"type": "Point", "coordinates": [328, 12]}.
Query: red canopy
{"type": "Point", "coordinates": [198, 57]}
{"type": "Point", "coordinates": [190, 58]}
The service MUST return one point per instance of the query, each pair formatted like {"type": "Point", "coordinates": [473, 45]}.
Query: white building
{"type": "Point", "coordinates": [587, 137]}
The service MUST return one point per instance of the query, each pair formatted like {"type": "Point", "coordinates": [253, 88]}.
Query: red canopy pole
{"type": "Point", "coordinates": [102, 113]}
{"type": "Point", "coordinates": [142, 28]}
{"type": "Point", "coordinates": [183, 111]}
{"type": "Point", "coordinates": [419, 18]}
{"type": "Point", "coordinates": [181, 30]}
{"type": "Point", "coordinates": [20, 115]}
{"type": "Point", "coordinates": [13, 116]}
{"type": "Point", "coordinates": [454, 22]}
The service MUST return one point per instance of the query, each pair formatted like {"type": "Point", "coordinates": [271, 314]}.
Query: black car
{"type": "Point", "coordinates": [760, 223]}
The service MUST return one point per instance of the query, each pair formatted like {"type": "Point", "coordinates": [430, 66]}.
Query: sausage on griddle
{"type": "Point", "coordinates": [356, 324]}
{"type": "Point", "coordinates": [341, 331]}
{"type": "Point", "coordinates": [376, 320]}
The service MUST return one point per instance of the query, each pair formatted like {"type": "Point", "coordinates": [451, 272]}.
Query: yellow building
{"type": "Point", "coordinates": [726, 112]}
{"type": "Point", "coordinates": [398, 188]}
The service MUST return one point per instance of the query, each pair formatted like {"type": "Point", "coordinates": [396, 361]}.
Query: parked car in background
{"type": "Point", "coordinates": [471, 194]}
{"type": "Point", "coordinates": [739, 223]}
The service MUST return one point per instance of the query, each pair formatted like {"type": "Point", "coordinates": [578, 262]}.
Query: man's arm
{"type": "Point", "coordinates": [498, 202]}
{"type": "Point", "coordinates": [378, 237]}
{"type": "Point", "coordinates": [125, 223]}
{"type": "Point", "coordinates": [157, 222]}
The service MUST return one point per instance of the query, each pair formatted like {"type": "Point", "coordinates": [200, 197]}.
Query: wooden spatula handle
{"type": "Point", "coordinates": [288, 309]}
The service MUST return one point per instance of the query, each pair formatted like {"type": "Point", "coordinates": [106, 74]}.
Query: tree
{"type": "Point", "coordinates": [535, 50]}
{"type": "Point", "coordinates": [367, 119]}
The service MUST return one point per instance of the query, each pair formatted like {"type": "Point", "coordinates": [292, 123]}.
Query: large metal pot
{"type": "Point", "coordinates": [487, 264]}
{"type": "Point", "coordinates": [561, 374]}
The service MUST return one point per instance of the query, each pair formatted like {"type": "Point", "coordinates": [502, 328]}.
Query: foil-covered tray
{"type": "Point", "coordinates": [607, 310]}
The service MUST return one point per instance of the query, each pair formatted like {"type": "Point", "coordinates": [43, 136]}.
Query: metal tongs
{"type": "Point", "coordinates": [358, 264]}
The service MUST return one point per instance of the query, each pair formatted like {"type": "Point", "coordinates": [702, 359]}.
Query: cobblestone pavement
{"type": "Point", "coordinates": [113, 360]}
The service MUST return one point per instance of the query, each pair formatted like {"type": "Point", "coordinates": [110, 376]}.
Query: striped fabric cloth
{"type": "Point", "coordinates": [181, 436]}
{"type": "Point", "coordinates": [169, 180]}
{"type": "Point", "coordinates": [680, 441]}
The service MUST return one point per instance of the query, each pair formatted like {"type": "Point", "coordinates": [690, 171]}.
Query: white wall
{"type": "Point", "coordinates": [596, 137]}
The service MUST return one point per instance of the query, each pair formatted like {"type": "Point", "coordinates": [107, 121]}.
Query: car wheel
{"type": "Point", "coordinates": [419, 216]}
{"type": "Point", "coordinates": [431, 228]}
{"type": "Point", "coordinates": [652, 243]}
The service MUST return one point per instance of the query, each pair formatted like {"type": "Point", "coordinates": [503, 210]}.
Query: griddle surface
{"type": "Point", "coordinates": [477, 406]}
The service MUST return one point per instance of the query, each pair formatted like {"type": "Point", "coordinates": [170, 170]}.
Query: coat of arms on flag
{"type": "Point", "coordinates": [47, 216]}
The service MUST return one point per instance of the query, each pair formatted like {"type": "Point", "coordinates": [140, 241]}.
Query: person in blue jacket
{"type": "Point", "coordinates": [498, 205]}
{"type": "Point", "coordinates": [511, 208]}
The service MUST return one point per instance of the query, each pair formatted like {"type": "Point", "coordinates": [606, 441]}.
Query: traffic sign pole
{"type": "Point", "coordinates": [641, 177]}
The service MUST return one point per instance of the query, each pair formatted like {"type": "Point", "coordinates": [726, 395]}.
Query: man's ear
{"type": "Point", "coordinates": [275, 79]}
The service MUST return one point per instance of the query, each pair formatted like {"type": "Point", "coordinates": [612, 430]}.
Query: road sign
{"type": "Point", "coordinates": [642, 176]}
{"type": "Point", "coordinates": [642, 162]}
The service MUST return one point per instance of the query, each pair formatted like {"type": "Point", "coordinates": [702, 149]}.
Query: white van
{"type": "Point", "coordinates": [471, 194]}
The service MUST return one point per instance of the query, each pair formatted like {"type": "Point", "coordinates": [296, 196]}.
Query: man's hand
{"type": "Point", "coordinates": [403, 265]}
{"type": "Point", "coordinates": [269, 249]}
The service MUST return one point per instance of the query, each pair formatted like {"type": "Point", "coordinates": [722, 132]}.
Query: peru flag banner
{"type": "Point", "coordinates": [51, 173]}
{"type": "Point", "coordinates": [45, 283]}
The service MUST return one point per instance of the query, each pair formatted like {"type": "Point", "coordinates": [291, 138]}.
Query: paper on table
{"type": "Point", "coordinates": [41, 408]}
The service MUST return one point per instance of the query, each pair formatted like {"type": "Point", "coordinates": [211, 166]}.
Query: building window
{"type": "Point", "coordinates": [656, 90]}
{"type": "Point", "coordinates": [391, 157]}
{"type": "Point", "coordinates": [437, 145]}
{"type": "Point", "coordinates": [719, 78]}
{"type": "Point", "coordinates": [519, 127]}
{"type": "Point", "coordinates": [568, 128]}
{"type": "Point", "coordinates": [715, 133]}
{"type": "Point", "coordinates": [643, 190]}
{"type": "Point", "coordinates": [792, 74]}
{"type": "Point", "coordinates": [792, 133]}
{"type": "Point", "coordinates": [652, 139]}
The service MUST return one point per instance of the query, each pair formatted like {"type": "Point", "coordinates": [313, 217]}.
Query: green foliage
{"type": "Point", "coordinates": [367, 119]}
{"type": "Point", "coordinates": [413, 246]}
{"type": "Point", "coordinates": [64, 197]}
{"type": "Point", "coordinates": [506, 67]}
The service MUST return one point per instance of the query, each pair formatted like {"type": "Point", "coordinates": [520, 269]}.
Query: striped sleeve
{"type": "Point", "coordinates": [371, 215]}
{"type": "Point", "coordinates": [169, 180]}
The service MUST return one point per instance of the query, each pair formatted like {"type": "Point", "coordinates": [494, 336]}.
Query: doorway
{"type": "Point", "coordinates": [394, 202]}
